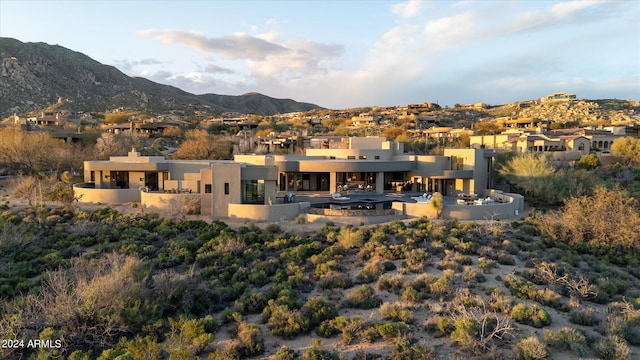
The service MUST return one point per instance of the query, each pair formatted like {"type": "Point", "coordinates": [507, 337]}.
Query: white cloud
{"type": "Point", "coordinates": [236, 46]}
{"type": "Point", "coordinates": [128, 65]}
{"type": "Point", "coordinates": [409, 8]}
{"type": "Point", "coordinates": [456, 53]}
{"type": "Point", "coordinates": [215, 69]}
{"type": "Point", "coordinates": [452, 29]}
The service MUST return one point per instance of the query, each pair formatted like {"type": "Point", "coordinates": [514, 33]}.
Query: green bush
{"type": "Point", "coordinates": [584, 317]}
{"type": "Point", "coordinates": [251, 339]}
{"type": "Point", "coordinates": [612, 347]}
{"type": "Point", "coordinates": [531, 349]}
{"type": "Point", "coordinates": [390, 331]}
{"type": "Point", "coordinates": [285, 353]}
{"type": "Point", "coordinates": [567, 339]}
{"type": "Point", "coordinates": [530, 315]}
{"type": "Point", "coordinates": [335, 280]}
{"type": "Point", "coordinates": [390, 283]}
{"type": "Point", "coordinates": [408, 349]}
{"type": "Point", "coordinates": [316, 310]}
{"type": "Point", "coordinates": [439, 326]}
{"type": "Point", "coordinates": [395, 312]}
{"type": "Point", "coordinates": [363, 297]}
{"type": "Point", "coordinates": [285, 322]}
{"type": "Point", "coordinates": [466, 331]}
{"type": "Point", "coordinates": [328, 328]}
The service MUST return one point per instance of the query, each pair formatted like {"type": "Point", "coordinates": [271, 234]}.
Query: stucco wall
{"type": "Point", "coordinates": [275, 212]}
{"type": "Point", "coordinates": [226, 173]}
{"type": "Point", "coordinates": [162, 201]}
{"type": "Point", "coordinates": [505, 210]}
{"type": "Point", "coordinates": [106, 196]}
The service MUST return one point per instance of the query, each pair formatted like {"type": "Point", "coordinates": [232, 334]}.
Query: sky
{"type": "Point", "coordinates": [345, 54]}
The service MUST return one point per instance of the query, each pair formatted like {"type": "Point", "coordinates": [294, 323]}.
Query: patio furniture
{"type": "Point", "coordinates": [339, 197]}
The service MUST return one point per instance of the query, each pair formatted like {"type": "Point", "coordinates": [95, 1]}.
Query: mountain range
{"type": "Point", "coordinates": [36, 75]}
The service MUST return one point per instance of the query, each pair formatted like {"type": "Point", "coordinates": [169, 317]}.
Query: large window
{"type": "Point", "coordinates": [304, 181]}
{"type": "Point", "coordinates": [151, 180]}
{"type": "Point", "coordinates": [253, 191]}
{"type": "Point", "coordinates": [121, 179]}
{"type": "Point", "coordinates": [457, 163]}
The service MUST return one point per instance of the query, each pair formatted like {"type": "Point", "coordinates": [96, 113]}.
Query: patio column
{"type": "Point", "coordinates": [380, 182]}
{"type": "Point", "coordinates": [333, 184]}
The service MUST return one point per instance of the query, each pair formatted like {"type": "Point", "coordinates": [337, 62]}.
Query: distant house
{"type": "Point", "coordinates": [148, 127]}
{"type": "Point", "coordinates": [559, 96]}
{"type": "Point", "coordinates": [364, 119]}
{"type": "Point", "coordinates": [579, 141]}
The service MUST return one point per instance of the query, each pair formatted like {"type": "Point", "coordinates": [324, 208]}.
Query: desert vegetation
{"type": "Point", "coordinates": [111, 285]}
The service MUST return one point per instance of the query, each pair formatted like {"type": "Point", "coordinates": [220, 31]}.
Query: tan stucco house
{"type": "Point", "coordinates": [258, 186]}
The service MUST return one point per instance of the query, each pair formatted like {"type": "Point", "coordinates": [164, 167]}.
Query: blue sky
{"type": "Point", "coordinates": [343, 54]}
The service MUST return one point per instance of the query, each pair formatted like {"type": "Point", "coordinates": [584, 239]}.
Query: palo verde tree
{"type": "Point", "coordinates": [541, 183]}
{"type": "Point", "coordinates": [627, 149]}
{"type": "Point", "coordinates": [608, 222]}
{"type": "Point", "coordinates": [200, 145]}
{"type": "Point", "coordinates": [30, 152]}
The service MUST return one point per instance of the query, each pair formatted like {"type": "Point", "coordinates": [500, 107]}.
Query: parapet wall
{"type": "Point", "coordinates": [507, 206]}
{"type": "Point", "coordinates": [276, 212]}
{"type": "Point", "coordinates": [105, 196]}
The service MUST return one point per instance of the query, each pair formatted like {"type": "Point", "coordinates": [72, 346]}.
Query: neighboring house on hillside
{"type": "Point", "coordinates": [579, 141]}
{"type": "Point", "coordinates": [364, 119]}
{"type": "Point", "coordinates": [559, 96]}
{"type": "Point", "coordinates": [141, 127]}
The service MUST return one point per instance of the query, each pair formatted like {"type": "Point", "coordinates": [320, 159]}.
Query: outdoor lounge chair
{"type": "Point", "coordinates": [339, 197]}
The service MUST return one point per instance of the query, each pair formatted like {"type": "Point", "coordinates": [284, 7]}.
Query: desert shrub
{"type": "Point", "coordinates": [251, 339]}
{"type": "Point", "coordinates": [140, 348]}
{"type": "Point", "coordinates": [531, 349]}
{"type": "Point", "coordinates": [485, 265]}
{"type": "Point", "coordinates": [623, 319]}
{"type": "Point", "coordinates": [439, 325]}
{"type": "Point", "coordinates": [390, 283]}
{"type": "Point", "coordinates": [526, 290]}
{"type": "Point", "coordinates": [370, 333]}
{"type": "Point", "coordinates": [186, 338]}
{"type": "Point", "coordinates": [567, 339]}
{"type": "Point", "coordinates": [390, 330]}
{"type": "Point", "coordinates": [328, 328]}
{"type": "Point", "coordinates": [351, 330]}
{"type": "Point", "coordinates": [500, 302]}
{"type": "Point", "coordinates": [251, 302]}
{"type": "Point", "coordinates": [415, 260]}
{"type": "Point", "coordinates": [408, 349]}
{"type": "Point", "coordinates": [465, 331]}
{"type": "Point", "coordinates": [325, 267]}
{"type": "Point", "coordinates": [363, 297]}
{"type": "Point", "coordinates": [317, 354]}
{"type": "Point", "coordinates": [410, 294]}
{"type": "Point", "coordinates": [335, 280]}
{"type": "Point", "coordinates": [612, 347]}
{"type": "Point", "coordinates": [396, 312]}
{"type": "Point", "coordinates": [285, 353]}
{"type": "Point", "coordinates": [530, 315]}
{"type": "Point", "coordinates": [371, 272]}
{"type": "Point", "coordinates": [585, 317]}
{"type": "Point", "coordinates": [317, 310]}
{"type": "Point", "coordinates": [504, 258]}
{"type": "Point", "coordinates": [470, 275]}
{"type": "Point", "coordinates": [350, 238]}
{"type": "Point", "coordinates": [454, 260]}
{"type": "Point", "coordinates": [284, 322]}
{"type": "Point", "coordinates": [442, 286]}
